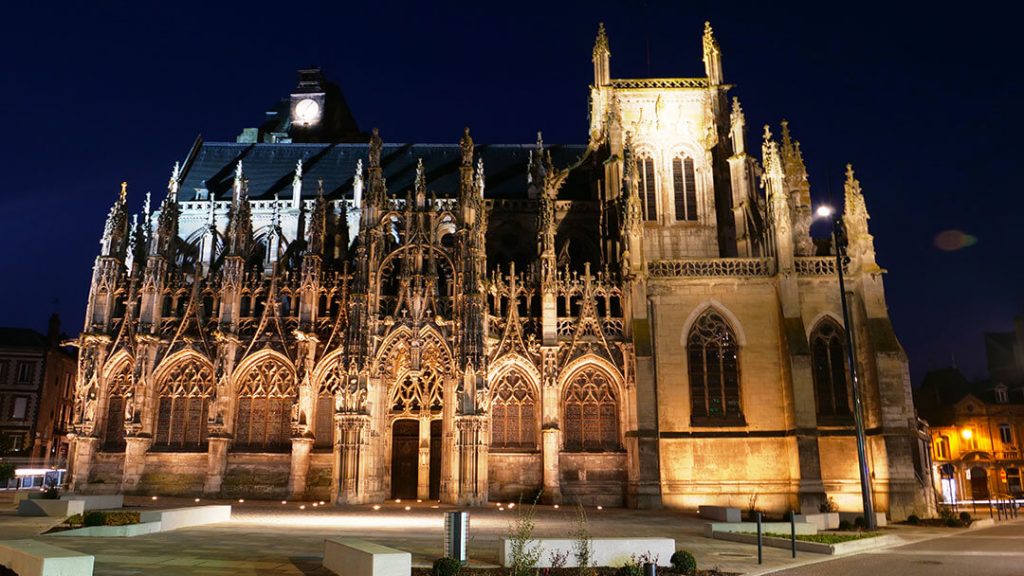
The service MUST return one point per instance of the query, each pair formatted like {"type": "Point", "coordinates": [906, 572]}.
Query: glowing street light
{"type": "Point", "coordinates": [824, 211]}
{"type": "Point", "coordinates": [967, 433]}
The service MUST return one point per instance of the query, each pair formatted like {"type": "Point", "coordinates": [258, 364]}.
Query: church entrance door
{"type": "Point", "coordinates": [405, 447]}
{"type": "Point", "coordinates": [435, 460]}
{"type": "Point", "coordinates": [979, 484]}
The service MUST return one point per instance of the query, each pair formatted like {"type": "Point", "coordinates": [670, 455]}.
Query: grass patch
{"type": "Point", "coordinates": [825, 538]}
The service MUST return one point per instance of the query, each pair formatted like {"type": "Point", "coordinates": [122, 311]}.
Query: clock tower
{"type": "Point", "coordinates": [307, 102]}
{"type": "Point", "coordinates": [317, 112]}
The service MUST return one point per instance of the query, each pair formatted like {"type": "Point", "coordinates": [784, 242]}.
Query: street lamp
{"type": "Point", "coordinates": [840, 241]}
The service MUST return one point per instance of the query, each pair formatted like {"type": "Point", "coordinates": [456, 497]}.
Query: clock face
{"type": "Point", "coordinates": [307, 110]}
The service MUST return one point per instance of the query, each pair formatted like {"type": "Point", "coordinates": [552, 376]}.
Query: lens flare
{"type": "Point", "coordinates": [953, 240]}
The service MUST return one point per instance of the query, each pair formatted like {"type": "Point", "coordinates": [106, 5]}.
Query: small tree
{"type": "Point", "coordinates": [6, 473]}
{"type": "Point", "coordinates": [525, 551]}
{"type": "Point", "coordinates": [583, 545]}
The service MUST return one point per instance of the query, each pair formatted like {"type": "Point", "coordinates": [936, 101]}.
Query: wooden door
{"type": "Point", "coordinates": [405, 447]}
{"type": "Point", "coordinates": [435, 460]}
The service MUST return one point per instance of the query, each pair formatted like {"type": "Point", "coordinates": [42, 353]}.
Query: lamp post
{"type": "Point", "coordinates": [840, 240]}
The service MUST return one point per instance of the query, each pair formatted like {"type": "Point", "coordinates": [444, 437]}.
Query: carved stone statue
{"type": "Point", "coordinates": [466, 144]}
{"type": "Point", "coordinates": [376, 145]}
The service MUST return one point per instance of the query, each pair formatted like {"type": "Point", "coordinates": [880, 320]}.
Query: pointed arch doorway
{"type": "Point", "coordinates": [406, 450]}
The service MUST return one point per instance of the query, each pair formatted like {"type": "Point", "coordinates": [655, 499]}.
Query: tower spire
{"type": "Point", "coordinates": [115, 232]}
{"type": "Point", "coordinates": [712, 56]}
{"type": "Point", "coordinates": [602, 55]}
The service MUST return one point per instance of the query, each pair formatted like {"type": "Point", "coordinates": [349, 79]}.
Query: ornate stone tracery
{"type": "Point", "coordinates": [514, 411]}
{"type": "Point", "coordinates": [266, 391]}
{"type": "Point", "coordinates": [185, 393]}
{"type": "Point", "coordinates": [591, 409]}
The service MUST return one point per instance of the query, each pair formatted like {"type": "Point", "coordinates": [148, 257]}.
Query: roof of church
{"type": "Point", "coordinates": [270, 168]}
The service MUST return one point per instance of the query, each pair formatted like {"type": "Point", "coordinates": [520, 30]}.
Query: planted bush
{"type": "Point", "coordinates": [913, 519]}
{"type": "Point", "coordinates": [115, 518]}
{"type": "Point", "coordinates": [845, 525]}
{"type": "Point", "coordinates": [859, 522]}
{"type": "Point", "coordinates": [965, 519]}
{"type": "Point", "coordinates": [446, 567]}
{"type": "Point", "coordinates": [684, 562]}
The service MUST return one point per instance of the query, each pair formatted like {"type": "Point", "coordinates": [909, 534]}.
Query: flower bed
{"type": "Point", "coordinates": [598, 571]}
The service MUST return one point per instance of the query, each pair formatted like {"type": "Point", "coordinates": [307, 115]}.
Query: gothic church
{"type": "Point", "coordinates": [314, 313]}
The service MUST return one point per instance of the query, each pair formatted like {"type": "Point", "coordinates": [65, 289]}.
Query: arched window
{"type": "Point", "coordinates": [591, 412]}
{"type": "Point", "coordinates": [684, 188]}
{"type": "Point", "coordinates": [185, 394]}
{"type": "Point", "coordinates": [648, 187]}
{"type": "Point", "coordinates": [513, 413]}
{"type": "Point", "coordinates": [713, 357]}
{"type": "Point", "coordinates": [266, 392]}
{"type": "Point", "coordinates": [119, 388]}
{"type": "Point", "coordinates": [323, 428]}
{"type": "Point", "coordinates": [828, 363]}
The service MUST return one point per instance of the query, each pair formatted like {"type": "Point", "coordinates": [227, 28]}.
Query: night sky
{"type": "Point", "coordinates": [925, 105]}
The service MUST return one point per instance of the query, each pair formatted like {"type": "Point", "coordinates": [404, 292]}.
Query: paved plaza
{"type": "Point", "coordinates": [274, 538]}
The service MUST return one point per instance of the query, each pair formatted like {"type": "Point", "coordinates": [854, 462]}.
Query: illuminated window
{"type": "Point", "coordinates": [648, 188]}
{"type": "Point", "coordinates": [684, 185]}
{"type": "Point", "coordinates": [266, 393]}
{"type": "Point", "coordinates": [591, 412]}
{"type": "Point", "coordinates": [713, 357]}
{"type": "Point", "coordinates": [184, 406]}
{"type": "Point", "coordinates": [19, 410]}
{"type": "Point", "coordinates": [513, 413]}
{"type": "Point", "coordinates": [942, 448]}
{"type": "Point", "coordinates": [828, 364]}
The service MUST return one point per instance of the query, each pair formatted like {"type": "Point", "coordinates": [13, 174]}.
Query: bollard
{"type": "Point", "coordinates": [650, 569]}
{"type": "Point", "coordinates": [760, 538]}
{"type": "Point", "coordinates": [792, 531]}
{"type": "Point", "coordinates": [456, 535]}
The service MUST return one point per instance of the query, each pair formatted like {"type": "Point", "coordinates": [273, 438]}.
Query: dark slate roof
{"type": "Point", "coordinates": [22, 337]}
{"type": "Point", "coordinates": [270, 168]}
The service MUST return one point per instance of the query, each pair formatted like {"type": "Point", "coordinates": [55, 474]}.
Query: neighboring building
{"type": "Point", "coordinates": [627, 322]}
{"type": "Point", "coordinates": [976, 428]}
{"type": "Point", "coordinates": [37, 384]}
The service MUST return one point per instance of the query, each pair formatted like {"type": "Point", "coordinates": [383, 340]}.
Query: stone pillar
{"type": "Point", "coordinates": [473, 450]}
{"type": "Point", "coordinates": [82, 450]}
{"type": "Point", "coordinates": [301, 447]}
{"type": "Point", "coordinates": [552, 486]}
{"type": "Point", "coordinates": [423, 470]}
{"type": "Point", "coordinates": [216, 464]}
{"type": "Point", "coordinates": [134, 461]}
{"type": "Point", "coordinates": [351, 453]}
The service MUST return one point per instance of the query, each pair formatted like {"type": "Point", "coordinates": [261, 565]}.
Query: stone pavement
{"type": "Point", "coordinates": [273, 538]}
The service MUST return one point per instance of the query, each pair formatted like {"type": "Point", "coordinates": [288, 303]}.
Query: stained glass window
{"type": "Point", "coordinates": [119, 387]}
{"type": "Point", "coordinates": [713, 358]}
{"type": "Point", "coordinates": [828, 363]}
{"type": "Point", "coordinates": [684, 185]}
{"type": "Point", "coordinates": [513, 413]}
{"type": "Point", "coordinates": [184, 404]}
{"type": "Point", "coordinates": [591, 412]}
{"type": "Point", "coordinates": [266, 393]}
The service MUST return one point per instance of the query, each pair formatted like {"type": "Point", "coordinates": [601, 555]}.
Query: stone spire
{"type": "Point", "coordinates": [799, 192]}
{"type": "Point", "coordinates": [115, 232]}
{"type": "Point", "coordinates": [239, 232]}
{"type": "Point", "coordinates": [167, 220]}
{"type": "Point", "coordinates": [738, 128]}
{"type": "Point", "coordinates": [861, 244]}
{"type": "Point", "coordinates": [317, 222]}
{"type": "Point", "coordinates": [712, 56]}
{"type": "Point", "coordinates": [773, 181]}
{"type": "Point", "coordinates": [376, 196]}
{"type": "Point", "coordinates": [297, 184]}
{"type": "Point", "coordinates": [602, 55]}
{"type": "Point", "coordinates": [421, 185]}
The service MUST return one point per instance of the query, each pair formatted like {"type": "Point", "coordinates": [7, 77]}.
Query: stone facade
{"type": "Point", "coordinates": [630, 322]}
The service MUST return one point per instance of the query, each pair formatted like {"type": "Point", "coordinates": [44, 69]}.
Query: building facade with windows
{"type": "Point", "coordinates": [976, 427]}
{"type": "Point", "coordinates": [37, 384]}
{"type": "Point", "coordinates": [640, 320]}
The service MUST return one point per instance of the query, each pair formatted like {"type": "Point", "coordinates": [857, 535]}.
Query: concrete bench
{"type": "Point", "coordinates": [353, 557]}
{"type": "Point", "coordinates": [823, 520]}
{"type": "Point", "coordinates": [184, 517]}
{"type": "Point", "coordinates": [606, 551]}
{"type": "Point", "coordinates": [720, 513]}
{"type": "Point", "coordinates": [751, 527]}
{"type": "Point", "coordinates": [32, 558]}
{"type": "Point", "coordinates": [56, 508]}
{"type": "Point", "coordinates": [97, 501]}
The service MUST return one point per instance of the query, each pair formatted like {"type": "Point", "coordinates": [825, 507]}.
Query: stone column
{"type": "Point", "coordinates": [552, 486]}
{"type": "Point", "coordinates": [423, 470]}
{"type": "Point", "coordinates": [301, 447]}
{"type": "Point", "coordinates": [216, 464]}
{"type": "Point", "coordinates": [473, 450]}
{"type": "Point", "coordinates": [351, 459]}
{"type": "Point", "coordinates": [134, 461]}
{"type": "Point", "coordinates": [82, 450]}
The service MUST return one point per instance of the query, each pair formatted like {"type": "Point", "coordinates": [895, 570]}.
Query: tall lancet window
{"type": "Point", "coordinates": [119, 389]}
{"type": "Point", "coordinates": [513, 413]}
{"type": "Point", "coordinates": [591, 412]}
{"type": "Point", "coordinates": [184, 406]}
{"type": "Point", "coordinates": [266, 392]}
{"type": "Point", "coordinates": [713, 358]}
{"type": "Point", "coordinates": [684, 187]}
{"type": "Point", "coordinates": [828, 361]}
{"type": "Point", "coordinates": [648, 188]}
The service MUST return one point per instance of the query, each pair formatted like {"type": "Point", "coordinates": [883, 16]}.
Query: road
{"type": "Point", "coordinates": [996, 551]}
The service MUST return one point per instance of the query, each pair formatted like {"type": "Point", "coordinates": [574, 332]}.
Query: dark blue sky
{"type": "Point", "coordinates": [926, 107]}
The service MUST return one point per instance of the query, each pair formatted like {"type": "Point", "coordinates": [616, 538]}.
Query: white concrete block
{"type": "Point", "coordinates": [126, 531]}
{"type": "Point", "coordinates": [55, 508]}
{"type": "Point", "coordinates": [33, 558]}
{"type": "Point", "coordinates": [353, 557]}
{"type": "Point", "coordinates": [184, 517]}
{"type": "Point", "coordinates": [720, 513]}
{"type": "Point", "coordinates": [751, 527]}
{"type": "Point", "coordinates": [851, 517]}
{"type": "Point", "coordinates": [606, 551]}
{"type": "Point", "coordinates": [823, 520]}
{"type": "Point", "coordinates": [97, 501]}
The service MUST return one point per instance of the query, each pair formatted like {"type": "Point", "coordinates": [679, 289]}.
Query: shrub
{"type": "Point", "coordinates": [51, 491]}
{"type": "Point", "coordinates": [965, 519]}
{"type": "Point", "coordinates": [845, 525]}
{"type": "Point", "coordinates": [684, 562]}
{"type": "Point", "coordinates": [557, 558]}
{"type": "Point", "coordinates": [118, 518]}
{"type": "Point", "coordinates": [583, 545]}
{"type": "Point", "coordinates": [913, 519]}
{"type": "Point", "coordinates": [446, 567]}
{"type": "Point", "coordinates": [859, 522]}
{"type": "Point", "coordinates": [75, 520]}
{"type": "Point", "coordinates": [828, 506]}
{"type": "Point", "coordinates": [525, 551]}
{"type": "Point", "coordinates": [630, 569]}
